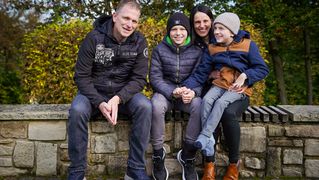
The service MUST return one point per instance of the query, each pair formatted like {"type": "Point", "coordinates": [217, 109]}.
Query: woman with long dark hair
{"type": "Point", "coordinates": [201, 19]}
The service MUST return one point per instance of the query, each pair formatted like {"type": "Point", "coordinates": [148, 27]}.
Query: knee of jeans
{"type": "Point", "coordinates": [207, 100]}
{"type": "Point", "coordinates": [158, 106]}
{"type": "Point", "coordinates": [145, 105]}
{"type": "Point", "coordinates": [221, 103]}
{"type": "Point", "coordinates": [196, 103]}
{"type": "Point", "coordinates": [79, 110]}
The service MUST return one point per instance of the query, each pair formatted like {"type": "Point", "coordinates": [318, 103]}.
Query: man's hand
{"type": "Point", "coordinates": [187, 96]}
{"type": "Point", "coordinates": [114, 103]}
{"type": "Point", "coordinates": [106, 111]}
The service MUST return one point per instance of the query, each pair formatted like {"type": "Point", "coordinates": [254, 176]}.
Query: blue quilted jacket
{"type": "Point", "coordinates": [171, 65]}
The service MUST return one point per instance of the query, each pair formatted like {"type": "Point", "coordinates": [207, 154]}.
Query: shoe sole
{"type": "Point", "coordinates": [166, 173]}
{"type": "Point", "coordinates": [179, 159]}
{"type": "Point", "coordinates": [126, 177]}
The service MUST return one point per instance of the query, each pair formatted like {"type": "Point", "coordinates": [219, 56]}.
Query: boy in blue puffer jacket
{"type": "Point", "coordinates": [240, 65]}
{"type": "Point", "coordinates": [173, 61]}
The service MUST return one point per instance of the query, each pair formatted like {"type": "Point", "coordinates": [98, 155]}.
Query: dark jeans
{"type": "Point", "coordinates": [139, 108]}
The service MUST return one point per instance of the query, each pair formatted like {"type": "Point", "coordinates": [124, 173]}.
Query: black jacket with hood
{"type": "Point", "coordinates": [106, 67]}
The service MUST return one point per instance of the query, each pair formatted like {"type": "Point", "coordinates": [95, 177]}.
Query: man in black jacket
{"type": "Point", "coordinates": [110, 72]}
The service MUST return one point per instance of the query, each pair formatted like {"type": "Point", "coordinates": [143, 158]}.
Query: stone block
{"type": "Point", "coordinates": [247, 174]}
{"type": "Point", "coordinates": [101, 127]}
{"type": "Point", "coordinates": [312, 147]}
{"type": "Point", "coordinates": [97, 158]}
{"type": "Point", "coordinates": [298, 143]}
{"type": "Point", "coordinates": [292, 156]}
{"type": "Point", "coordinates": [254, 163]}
{"type": "Point", "coordinates": [47, 130]}
{"type": "Point", "coordinates": [104, 143]}
{"type": "Point", "coordinates": [123, 130]}
{"type": "Point", "coordinates": [63, 168]}
{"type": "Point", "coordinates": [6, 150]}
{"type": "Point", "coordinates": [253, 139]}
{"type": "Point", "coordinates": [178, 135]}
{"type": "Point", "coordinates": [14, 129]}
{"type": "Point", "coordinates": [23, 155]}
{"type": "Point", "coordinates": [276, 130]}
{"type": "Point", "coordinates": [292, 171]}
{"type": "Point", "coordinates": [11, 171]}
{"type": "Point", "coordinates": [64, 155]}
{"type": "Point", "coordinates": [221, 159]}
{"type": "Point", "coordinates": [5, 162]}
{"type": "Point", "coordinates": [46, 159]}
{"type": "Point", "coordinates": [34, 111]}
{"type": "Point", "coordinates": [98, 169]}
{"type": "Point", "coordinates": [273, 162]}
{"type": "Point", "coordinates": [280, 142]}
{"type": "Point", "coordinates": [116, 165]}
{"type": "Point", "coordinates": [173, 166]}
{"type": "Point", "coordinates": [169, 130]}
{"type": "Point", "coordinates": [302, 131]}
{"type": "Point", "coordinates": [302, 113]}
{"type": "Point", "coordinates": [123, 146]}
{"type": "Point", "coordinates": [312, 168]}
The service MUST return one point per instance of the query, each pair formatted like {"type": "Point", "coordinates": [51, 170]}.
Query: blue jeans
{"type": "Point", "coordinates": [214, 103]}
{"type": "Point", "coordinates": [139, 108]}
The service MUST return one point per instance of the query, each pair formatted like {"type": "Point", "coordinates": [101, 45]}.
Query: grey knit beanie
{"type": "Point", "coordinates": [230, 20]}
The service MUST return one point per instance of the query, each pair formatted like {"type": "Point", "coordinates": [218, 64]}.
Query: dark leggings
{"type": "Point", "coordinates": [231, 129]}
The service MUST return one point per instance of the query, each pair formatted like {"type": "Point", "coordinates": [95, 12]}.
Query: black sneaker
{"type": "Point", "coordinates": [188, 167]}
{"type": "Point", "coordinates": [136, 174]}
{"type": "Point", "coordinates": [159, 171]}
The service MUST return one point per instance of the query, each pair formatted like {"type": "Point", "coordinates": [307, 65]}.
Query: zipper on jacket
{"type": "Point", "coordinates": [178, 65]}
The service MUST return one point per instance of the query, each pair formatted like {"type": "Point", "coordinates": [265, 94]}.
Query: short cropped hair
{"type": "Point", "coordinates": [132, 3]}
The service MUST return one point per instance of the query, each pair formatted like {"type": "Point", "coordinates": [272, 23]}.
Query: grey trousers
{"type": "Point", "coordinates": [160, 105]}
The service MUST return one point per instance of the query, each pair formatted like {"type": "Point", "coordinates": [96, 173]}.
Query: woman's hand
{"type": "Point", "coordinates": [215, 74]}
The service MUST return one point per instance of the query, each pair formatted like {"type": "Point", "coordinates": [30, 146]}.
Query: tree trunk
{"type": "Point", "coordinates": [308, 67]}
{"type": "Point", "coordinates": [279, 72]}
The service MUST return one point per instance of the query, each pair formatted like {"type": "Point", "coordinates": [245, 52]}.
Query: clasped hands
{"type": "Point", "coordinates": [186, 94]}
{"type": "Point", "coordinates": [110, 109]}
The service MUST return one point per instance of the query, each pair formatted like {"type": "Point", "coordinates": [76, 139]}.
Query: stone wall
{"type": "Point", "coordinates": [278, 141]}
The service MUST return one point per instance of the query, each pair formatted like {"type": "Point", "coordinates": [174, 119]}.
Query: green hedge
{"type": "Point", "coordinates": [50, 54]}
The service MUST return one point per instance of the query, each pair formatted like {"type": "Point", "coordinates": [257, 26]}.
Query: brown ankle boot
{"type": "Point", "coordinates": [209, 171]}
{"type": "Point", "coordinates": [232, 172]}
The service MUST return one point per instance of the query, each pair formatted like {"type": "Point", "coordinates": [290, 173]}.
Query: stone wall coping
{"type": "Point", "coordinates": [34, 112]}
{"type": "Point", "coordinates": [262, 114]}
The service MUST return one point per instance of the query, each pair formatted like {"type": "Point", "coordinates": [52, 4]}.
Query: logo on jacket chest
{"type": "Point", "coordinates": [103, 55]}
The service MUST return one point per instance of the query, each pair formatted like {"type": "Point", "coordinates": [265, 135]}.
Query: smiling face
{"type": "Point", "coordinates": [202, 24]}
{"type": "Point", "coordinates": [222, 34]}
{"type": "Point", "coordinates": [178, 34]}
{"type": "Point", "coordinates": [125, 22]}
